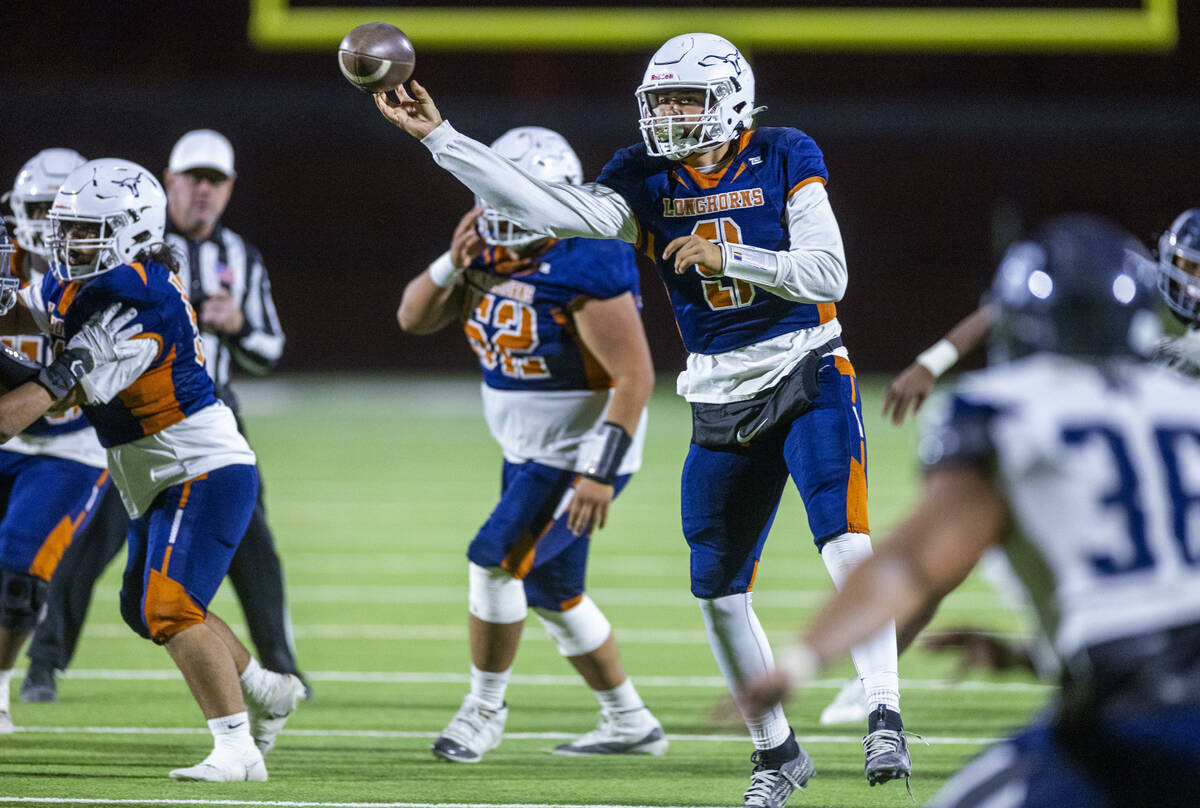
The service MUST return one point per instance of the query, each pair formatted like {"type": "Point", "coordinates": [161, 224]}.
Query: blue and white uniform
{"type": "Point", "coordinates": [1101, 469]}
{"type": "Point", "coordinates": [544, 397]}
{"type": "Point", "coordinates": [185, 474]}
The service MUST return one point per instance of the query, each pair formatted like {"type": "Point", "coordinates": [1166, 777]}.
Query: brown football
{"type": "Point", "coordinates": [376, 56]}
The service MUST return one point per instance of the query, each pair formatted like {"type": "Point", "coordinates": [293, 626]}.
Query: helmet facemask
{"type": "Point", "coordinates": [9, 283]}
{"type": "Point", "coordinates": [677, 136]}
{"type": "Point", "coordinates": [500, 231]}
{"type": "Point", "coordinates": [1179, 277]}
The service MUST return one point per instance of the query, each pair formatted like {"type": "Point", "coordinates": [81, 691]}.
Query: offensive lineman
{"type": "Point", "coordinates": [1082, 463]}
{"type": "Point", "coordinates": [740, 226]}
{"type": "Point", "coordinates": [566, 377]}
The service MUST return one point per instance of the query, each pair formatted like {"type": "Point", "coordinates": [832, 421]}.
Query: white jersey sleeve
{"type": "Point", "coordinates": [589, 210]}
{"type": "Point", "coordinates": [814, 271]}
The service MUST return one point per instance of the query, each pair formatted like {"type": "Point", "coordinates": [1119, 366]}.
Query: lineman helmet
{"type": "Point", "coordinates": [542, 153]}
{"type": "Point", "coordinates": [33, 192]}
{"type": "Point", "coordinates": [122, 207]}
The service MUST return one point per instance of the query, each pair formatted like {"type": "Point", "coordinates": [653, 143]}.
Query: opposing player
{"type": "Point", "coordinates": [60, 504]}
{"type": "Point", "coordinates": [740, 226]}
{"type": "Point", "coordinates": [566, 378]}
{"type": "Point", "coordinates": [185, 474]}
{"type": "Point", "coordinates": [1082, 461]}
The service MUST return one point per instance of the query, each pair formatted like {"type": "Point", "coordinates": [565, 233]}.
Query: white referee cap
{"type": "Point", "coordinates": [202, 148]}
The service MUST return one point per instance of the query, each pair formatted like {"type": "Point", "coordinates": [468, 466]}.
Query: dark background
{"type": "Point", "coordinates": [936, 161]}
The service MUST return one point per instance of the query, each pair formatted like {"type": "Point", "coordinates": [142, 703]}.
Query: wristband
{"type": "Point", "coordinates": [800, 662]}
{"type": "Point", "coordinates": [938, 358]}
{"type": "Point", "coordinates": [443, 273]}
{"type": "Point", "coordinates": [65, 372]}
{"type": "Point", "coordinates": [603, 467]}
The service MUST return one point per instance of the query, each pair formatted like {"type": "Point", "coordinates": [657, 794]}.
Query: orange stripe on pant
{"type": "Point", "coordinates": [168, 607]}
{"type": "Point", "coordinates": [856, 485]}
{"type": "Point", "coordinates": [60, 538]}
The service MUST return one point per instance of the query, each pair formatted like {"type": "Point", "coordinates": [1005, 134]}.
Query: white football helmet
{"type": "Point", "coordinates": [36, 184]}
{"type": "Point", "coordinates": [126, 209]}
{"type": "Point", "coordinates": [697, 62]}
{"type": "Point", "coordinates": [542, 153]}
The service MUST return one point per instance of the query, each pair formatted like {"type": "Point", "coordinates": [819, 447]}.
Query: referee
{"type": "Point", "coordinates": [228, 287]}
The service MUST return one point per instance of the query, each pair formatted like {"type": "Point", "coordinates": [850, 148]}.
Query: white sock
{"type": "Point", "coordinates": [875, 657]}
{"type": "Point", "coordinates": [231, 732]}
{"type": "Point", "coordinates": [489, 687]}
{"type": "Point", "coordinates": [5, 679]}
{"type": "Point", "coordinates": [622, 697]}
{"type": "Point", "coordinates": [254, 679]}
{"type": "Point", "coordinates": [742, 652]}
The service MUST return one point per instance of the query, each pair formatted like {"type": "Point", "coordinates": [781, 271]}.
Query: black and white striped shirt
{"type": "Point", "coordinates": [225, 261]}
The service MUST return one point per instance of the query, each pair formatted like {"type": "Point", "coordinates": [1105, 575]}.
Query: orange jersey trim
{"type": "Point", "coordinates": [802, 183]}
{"type": "Point", "coordinates": [706, 181]}
{"type": "Point", "coordinates": [68, 295]}
{"type": "Point", "coordinates": [826, 312]}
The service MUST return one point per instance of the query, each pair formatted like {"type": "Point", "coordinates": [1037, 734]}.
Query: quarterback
{"type": "Point", "coordinates": [739, 224]}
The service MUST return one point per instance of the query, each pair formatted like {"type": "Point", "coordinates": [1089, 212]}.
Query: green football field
{"type": "Point", "coordinates": [374, 489]}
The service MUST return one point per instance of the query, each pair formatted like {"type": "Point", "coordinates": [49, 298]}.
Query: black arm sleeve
{"type": "Point", "coordinates": [16, 369]}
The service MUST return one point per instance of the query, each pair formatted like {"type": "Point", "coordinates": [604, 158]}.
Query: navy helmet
{"type": "Point", "coordinates": [1179, 266]}
{"type": "Point", "coordinates": [1081, 286]}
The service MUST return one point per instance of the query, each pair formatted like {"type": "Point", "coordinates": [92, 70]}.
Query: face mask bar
{"type": "Point", "coordinates": [8, 284]}
{"type": "Point", "coordinates": [499, 231]}
{"type": "Point", "coordinates": [1180, 288]}
{"type": "Point", "coordinates": [32, 233]}
{"type": "Point", "coordinates": [677, 136]}
{"type": "Point", "coordinates": [61, 247]}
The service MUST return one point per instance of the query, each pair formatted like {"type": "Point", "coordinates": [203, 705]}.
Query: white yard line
{"type": "Point", "coordinates": [551, 680]}
{"type": "Point", "coordinates": [604, 597]}
{"type": "Point", "coordinates": [296, 804]}
{"type": "Point", "coordinates": [513, 736]}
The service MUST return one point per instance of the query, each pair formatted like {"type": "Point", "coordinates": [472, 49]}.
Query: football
{"type": "Point", "coordinates": [375, 57]}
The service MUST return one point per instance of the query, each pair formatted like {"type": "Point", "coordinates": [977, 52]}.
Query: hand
{"type": "Point", "coordinates": [980, 649]}
{"type": "Point", "coordinates": [762, 694]}
{"type": "Point", "coordinates": [103, 339]}
{"type": "Point", "coordinates": [466, 242]}
{"type": "Point", "coordinates": [220, 314]}
{"type": "Point", "coordinates": [589, 506]}
{"type": "Point", "coordinates": [414, 113]}
{"type": "Point", "coordinates": [910, 387]}
{"type": "Point", "coordinates": [701, 252]}
{"type": "Point", "coordinates": [106, 337]}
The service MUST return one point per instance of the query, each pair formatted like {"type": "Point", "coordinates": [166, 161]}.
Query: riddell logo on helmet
{"type": "Point", "coordinates": [661, 76]}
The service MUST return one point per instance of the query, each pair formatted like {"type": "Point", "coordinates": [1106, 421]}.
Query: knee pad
{"type": "Point", "coordinates": [21, 599]}
{"type": "Point", "coordinates": [169, 609]}
{"type": "Point", "coordinates": [577, 631]}
{"type": "Point", "coordinates": [494, 596]}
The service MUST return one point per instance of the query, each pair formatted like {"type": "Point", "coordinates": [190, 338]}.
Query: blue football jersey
{"type": "Point", "coordinates": [519, 313]}
{"type": "Point", "coordinates": [175, 384]}
{"type": "Point", "coordinates": [744, 203]}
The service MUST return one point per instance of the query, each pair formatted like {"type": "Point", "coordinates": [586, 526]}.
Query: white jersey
{"type": "Point", "coordinates": [554, 427]}
{"type": "Point", "coordinates": [1101, 469]}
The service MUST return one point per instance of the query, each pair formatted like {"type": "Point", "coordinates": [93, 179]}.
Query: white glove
{"type": "Point", "coordinates": [105, 336]}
